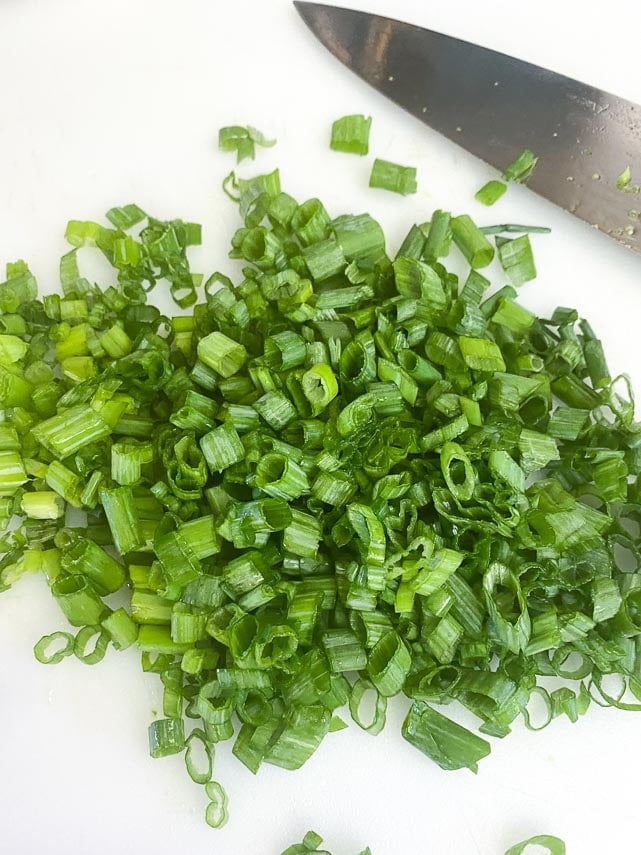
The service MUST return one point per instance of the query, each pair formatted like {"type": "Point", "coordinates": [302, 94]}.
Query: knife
{"type": "Point", "coordinates": [495, 106]}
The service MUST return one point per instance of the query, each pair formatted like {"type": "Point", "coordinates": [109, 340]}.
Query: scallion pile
{"type": "Point", "coordinates": [349, 474]}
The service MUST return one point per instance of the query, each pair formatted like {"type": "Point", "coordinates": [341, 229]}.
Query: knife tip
{"type": "Point", "coordinates": [311, 12]}
{"type": "Point", "coordinates": [305, 10]}
{"type": "Point", "coordinates": [305, 6]}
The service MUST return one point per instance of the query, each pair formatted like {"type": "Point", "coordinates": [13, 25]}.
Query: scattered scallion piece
{"type": "Point", "coordinates": [514, 227]}
{"type": "Point", "coordinates": [516, 259]}
{"type": "Point", "coordinates": [471, 241]}
{"type": "Point", "coordinates": [53, 648]}
{"type": "Point", "coordinates": [216, 811]}
{"type": "Point", "coordinates": [624, 184]}
{"type": "Point", "coordinates": [490, 192]}
{"type": "Point", "coordinates": [350, 134]}
{"type": "Point", "coordinates": [442, 740]}
{"type": "Point", "coordinates": [242, 140]}
{"type": "Point", "coordinates": [521, 168]}
{"type": "Point", "coordinates": [310, 843]}
{"type": "Point", "coordinates": [624, 178]}
{"type": "Point", "coordinates": [391, 176]}
{"type": "Point", "coordinates": [553, 845]}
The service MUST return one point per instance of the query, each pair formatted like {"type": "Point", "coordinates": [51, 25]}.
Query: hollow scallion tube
{"type": "Point", "coordinates": [471, 241]}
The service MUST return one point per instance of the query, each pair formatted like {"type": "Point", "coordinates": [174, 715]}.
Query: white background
{"type": "Point", "coordinates": [103, 103]}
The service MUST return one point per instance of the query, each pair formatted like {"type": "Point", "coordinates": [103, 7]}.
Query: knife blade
{"type": "Point", "coordinates": [495, 106]}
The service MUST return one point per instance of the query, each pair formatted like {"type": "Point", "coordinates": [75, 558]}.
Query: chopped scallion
{"type": "Point", "coordinates": [391, 176]}
{"type": "Point", "coordinates": [490, 192]}
{"type": "Point", "coordinates": [242, 140]}
{"type": "Point", "coordinates": [348, 477]}
{"type": "Point", "coordinates": [521, 168]}
{"type": "Point", "coordinates": [351, 134]}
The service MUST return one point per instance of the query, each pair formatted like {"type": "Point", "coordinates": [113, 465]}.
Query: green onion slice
{"type": "Point", "coordinates": [444, 741]}
{"type": "Point", "coordinates": [53, 648]}
{"type": "Point", "coordinates": [553, 845]}
{"type": "Point", "coordinates": [522, 167]}
{"type": "Point", "coordinates": [82, 644]}
{"type": "Point", "coordinates": [391, 176]}
{"type": "Point", "coordinates": [351, 134]}
{"type": "Point", "coordinates": [491, 192]}
{"type": "Point", "coordinates": [360, 691]}
{"type": "Point", "coordinates": [216, 814]}
{"type": "Point", "coordinates": [199, 756]}
{"type": "Point", "coordinates": [242, 140]}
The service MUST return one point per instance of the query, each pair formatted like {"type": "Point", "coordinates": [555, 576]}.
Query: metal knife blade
{"type": "Point", "coordinates": [495, 106]}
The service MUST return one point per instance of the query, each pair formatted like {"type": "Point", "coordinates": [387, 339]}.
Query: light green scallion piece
{"type": "Point", "coordinates": [351, 134]}
{"type": "Point", "coordinates": [391, 176]}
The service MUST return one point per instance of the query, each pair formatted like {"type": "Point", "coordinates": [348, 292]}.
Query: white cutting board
{"type": "Point", "coordinates": [106, 103]}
